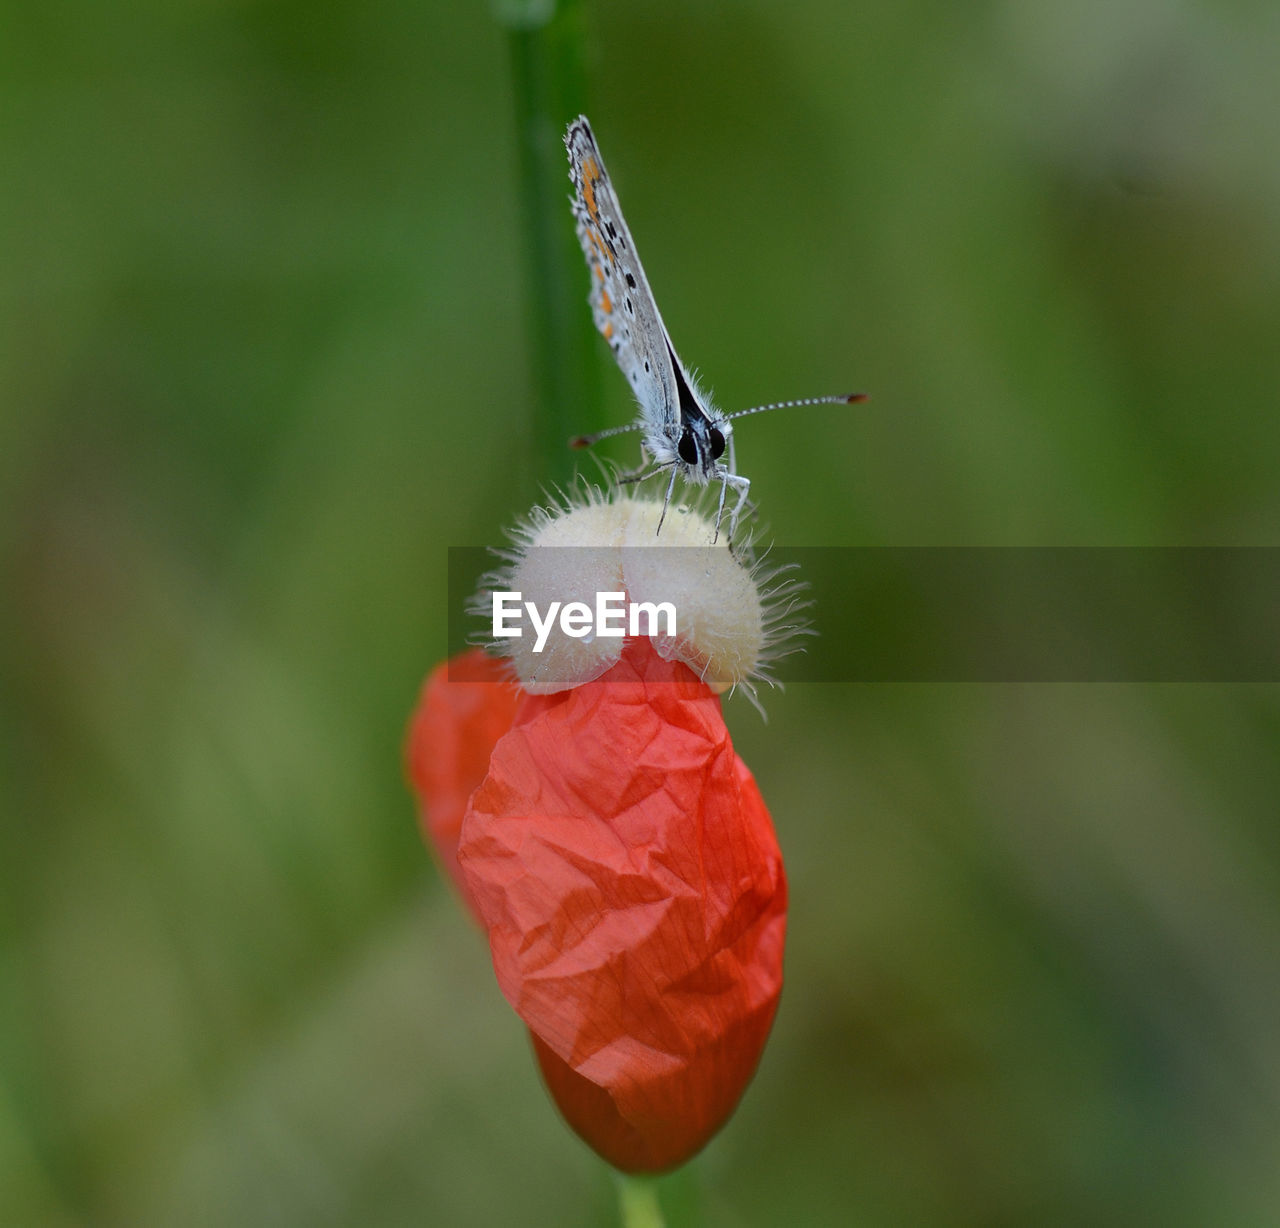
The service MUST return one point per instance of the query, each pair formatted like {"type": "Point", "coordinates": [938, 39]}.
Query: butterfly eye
{"type": "Point", "coordinates": [717, 443]}
{"type": "Point", "coordinates": [687, 449]}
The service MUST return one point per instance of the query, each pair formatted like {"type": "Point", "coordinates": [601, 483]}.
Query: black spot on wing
{"type": "Point", "coordinates": [690, 410]}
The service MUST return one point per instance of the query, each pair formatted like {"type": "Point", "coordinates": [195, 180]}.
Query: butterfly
{"type": "Point", "coordinates": [684, 433]}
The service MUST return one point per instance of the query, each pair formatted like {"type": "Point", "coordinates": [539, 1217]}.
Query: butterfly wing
{"type": "Point", "coordinates": [621, 301]}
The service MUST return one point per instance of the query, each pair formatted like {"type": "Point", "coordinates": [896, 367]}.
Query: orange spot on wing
{"type": "Point", "coordinates": [590, 174]}
{"type": "Point", "coordinates": [607, 332]}
{"type": "Point", "coordinates": [606, 303]}
{"type": "Point", "coordinates": [599, 271]}
{"type": "Point", "coordinates": [600, 248]}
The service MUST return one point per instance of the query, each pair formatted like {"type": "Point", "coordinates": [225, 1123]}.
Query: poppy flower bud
{"type": "Point", "coordinates": [622, 861]}
{"type": "Point", "coordinates": [465, 706]}
{"type": "Point", "coordinates": [730, 613]}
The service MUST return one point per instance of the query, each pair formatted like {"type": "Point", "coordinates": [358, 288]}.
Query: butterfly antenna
{"type": "Point", "coordinates": [844, 399]}
{"type": "Point", "coordinates": [585, 441]}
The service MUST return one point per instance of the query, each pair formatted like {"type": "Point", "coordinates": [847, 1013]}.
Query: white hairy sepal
{"type": "Point", "coordinates": [733, 616]}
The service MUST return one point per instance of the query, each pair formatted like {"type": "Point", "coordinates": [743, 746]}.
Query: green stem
{"type": "Point", "coordinates": [638, 1203]}
{"type": "Point", "coordinates": [546, 43]}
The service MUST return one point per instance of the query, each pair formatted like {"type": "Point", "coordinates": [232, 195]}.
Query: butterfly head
{"type": "Point", "coordinates": [699, 444]}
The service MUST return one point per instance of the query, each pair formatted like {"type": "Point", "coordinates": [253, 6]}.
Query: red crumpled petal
{"type": "Point", "coordinates": [626, 868]}
{"type": "Point", "coordinates": [465, 706]}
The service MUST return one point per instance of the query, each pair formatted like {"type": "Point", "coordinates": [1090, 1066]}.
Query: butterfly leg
{"type": "Point", "coordinates": [666, 503]}
{"type": "Point", "coordinates": [645, 472]}
{"type": "Point", "coordinates": [741, 485]}
{"type": "Point", "coordinates": [640, 474]}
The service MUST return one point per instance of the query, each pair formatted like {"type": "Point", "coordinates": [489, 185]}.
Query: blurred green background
{"type": "Point", "coordinates": [265, 357]}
